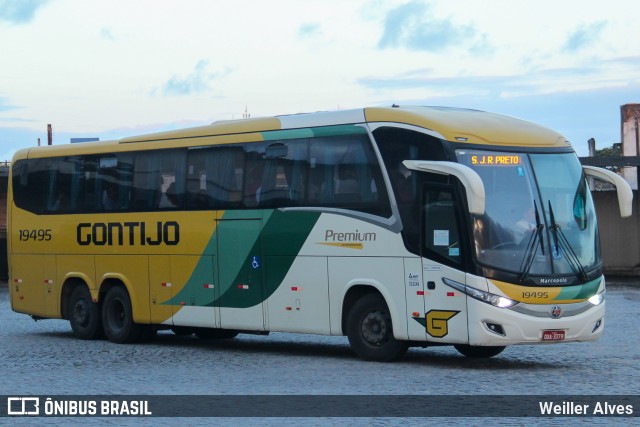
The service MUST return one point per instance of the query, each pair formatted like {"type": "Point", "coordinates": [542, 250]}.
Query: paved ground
{"type": "Point", "coordinates": [44, 359]}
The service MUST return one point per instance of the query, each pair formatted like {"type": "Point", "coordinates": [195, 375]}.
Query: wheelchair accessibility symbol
{"type": "Point", "coordinates": [255, 262]}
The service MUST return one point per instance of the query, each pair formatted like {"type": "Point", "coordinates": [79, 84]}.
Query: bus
{"type": "Point", "coordinates": [397, 227]}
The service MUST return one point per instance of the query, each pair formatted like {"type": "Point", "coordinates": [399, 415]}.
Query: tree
{"type": "Point", "coordinates": [613, 151]}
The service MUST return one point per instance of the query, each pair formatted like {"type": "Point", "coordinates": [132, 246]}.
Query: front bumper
{"type": "Point", "coordinates": [526, 323]}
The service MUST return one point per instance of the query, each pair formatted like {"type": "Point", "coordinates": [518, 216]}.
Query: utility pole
{"type": "Point", "coordinates": [637, 149]}
{"type": "Point", "coordinates": [49, 134]}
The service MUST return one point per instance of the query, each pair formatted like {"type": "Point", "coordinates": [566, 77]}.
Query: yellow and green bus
{"type": "Point", "coordinates": [397, 227]}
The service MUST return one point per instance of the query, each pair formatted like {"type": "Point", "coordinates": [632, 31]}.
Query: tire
{"type": "Point", "coordinates": [84, 315]}
{"type": "Point", "coordinates": [117, 317]}
{"type": "Point", "coordinates": [478, 352]}
{"type": "Point", "coordinates": [215, 334]}
{"type": "Point", "coordinates": [370, 330]}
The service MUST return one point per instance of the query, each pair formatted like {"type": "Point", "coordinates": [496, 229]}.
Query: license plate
{"type": "Point", "coordinates": [552, 335]}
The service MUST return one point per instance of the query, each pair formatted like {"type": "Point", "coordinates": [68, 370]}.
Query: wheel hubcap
{"type": "Point", "coordinates": [374, 328]}
{"type": "Point", "coordinates": [81, 313]}
{"type": "Point", "coordinates": [117, 314]}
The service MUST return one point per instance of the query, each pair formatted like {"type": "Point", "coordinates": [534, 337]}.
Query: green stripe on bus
{"type": "Point", "coordinates": [581, 292]}
{"type": "Point", "coordinates": [281, 239]}
{"type": "Point", "coordinates": [277, 243]}
{"type": "Point", "coordinates": [313, 132]}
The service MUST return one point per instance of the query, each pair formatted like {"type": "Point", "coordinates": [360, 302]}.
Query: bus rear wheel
{"type": "Point", "coordinates": [370, 330]}
{"type": "Point", "coordinates": [117, 317]}
{"type": "Point", "coordinates": [478, 352]}
{"type": "Point", "coordinates": [84, 315]}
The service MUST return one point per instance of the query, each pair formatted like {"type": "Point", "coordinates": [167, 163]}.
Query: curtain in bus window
{"type": "Point", "coordinates": [64, 176]}
{"type": "Point", "coordinates": [344, 172]}
{"type": "Point", "coordinates": [254, 168]}
{"type": "Point", "coordinates": [274, 189]}
{"type": "Point", "coordinates": [224, 176]}
{"type": "Point", "coordinates": [158, 180]}
{"type": "Point", "coordinates": [112, 186]}
{"type": "Point", "coordinates": [298, 171]}
{"type": "Point", "coordinates": [285, 174]}
{"type": "Point", "coordinates": [215, 177]}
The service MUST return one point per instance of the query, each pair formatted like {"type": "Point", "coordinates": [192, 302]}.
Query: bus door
{"type": "Point", "coordinates": [240, 271]}
{"type": "Point", "coordinates": [442, 258]}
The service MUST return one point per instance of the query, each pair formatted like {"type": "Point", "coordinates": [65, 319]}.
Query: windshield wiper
{"type": "Point", "coordinates": [532, 245]}
{"type": "Point", "coordinates": [560, 242]}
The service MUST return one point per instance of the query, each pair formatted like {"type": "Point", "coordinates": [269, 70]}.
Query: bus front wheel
{"type": "Point", "coordinates": [117, 317]}
{"type": "Point", "coordinates": [478, 352]}
{"type": "Point", "coordinates": [84, 315]}
{"type": "Point", "coordinates": [370, 330]}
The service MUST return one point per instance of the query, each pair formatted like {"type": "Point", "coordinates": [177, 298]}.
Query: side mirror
{"type": "Point", "coordinates": [469, 178]}
{"type": "Point", "coordinates": [625, 195]}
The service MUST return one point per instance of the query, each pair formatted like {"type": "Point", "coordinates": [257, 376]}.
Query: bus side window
{"type": "Point", "coordinates": [253, 175]}
{"type": "Point", "coordinates": [154, 173]}
{"type": "Point", "coordinates": [285, 174]}
{"type": "Point", "coordinates": [345, 173]}
{"type": "Point", "coordinates": [214, 178]}
{"type": "Point", "coordinates": [64, 177]}
{"type": "Point", "coordinates": [29, 184]}
{"type": "Point", "coordinates": [112, 186]}
{"type": "Point", "coordinates": [397, 145]}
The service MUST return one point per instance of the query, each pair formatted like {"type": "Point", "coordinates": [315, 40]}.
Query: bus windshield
{"type": "Point", "coordinates": [539, 217]}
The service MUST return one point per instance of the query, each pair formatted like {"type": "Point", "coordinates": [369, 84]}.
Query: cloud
{"type": "Point", "coordinates": [584, 36]}
{"type": "Point", "coordinates": [19, 11]}
{"type": "Point", "coordinates": [5, 106]}
{"type": "Point", "coordinates": [414, 27]}
{"type": "Point", "coordinates": [196, 82]}
{"type": "Point", "coordinates": [106, 34]}
{"type": "Point", "coordinates": [308, 30]}
{"type": "Point", "coordinates": [532, 82]}
{"type": "Point", "coordinates": [453, 84]}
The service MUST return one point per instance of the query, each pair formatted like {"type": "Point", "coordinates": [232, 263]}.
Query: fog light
{"type": "Point", "coordinates": [495, 328]}
{"type": "Point", "coordinates": [597, 326]}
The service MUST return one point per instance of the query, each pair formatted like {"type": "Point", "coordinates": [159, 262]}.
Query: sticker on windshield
{"type": "Point", "coordinates": [440, 237]}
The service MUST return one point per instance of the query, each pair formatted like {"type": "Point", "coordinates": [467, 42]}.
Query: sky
{"type": "Point", "coordinates": [115, 68]}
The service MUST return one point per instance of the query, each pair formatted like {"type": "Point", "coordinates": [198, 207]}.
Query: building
{"type": "Point", "coordinates": [4, 181]}
{"type": "Point", "coordinates": [620, 238]}
{"type": "Point", "coordinates": [630, 137]}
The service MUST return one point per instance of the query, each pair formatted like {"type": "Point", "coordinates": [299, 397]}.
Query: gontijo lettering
{"type": "Point", "coordinates": [128, 233]}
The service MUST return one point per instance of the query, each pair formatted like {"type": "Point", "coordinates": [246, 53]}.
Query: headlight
{"type": "Point", "coordinates": [597, 298]}
{"type": "Point", "coordinates": [486, 297]}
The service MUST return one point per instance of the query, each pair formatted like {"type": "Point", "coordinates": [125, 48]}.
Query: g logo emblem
{"type": "Point", "coordinates": [437, 322]}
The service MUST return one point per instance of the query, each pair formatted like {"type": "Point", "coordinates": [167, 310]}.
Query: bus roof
{"type": "Point", "coordinates": [451, 124]}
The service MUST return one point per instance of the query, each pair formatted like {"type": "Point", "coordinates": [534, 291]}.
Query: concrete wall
{"type": "Point", "coordinates": [629, 117]}
{"type": "Point", "coordinates": [619, 237]}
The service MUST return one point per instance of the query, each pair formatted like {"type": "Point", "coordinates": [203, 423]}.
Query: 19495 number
{"type": "Point", "coordinates": [531, 295]}
{"type": "Point", "coordinates": [39, 235]}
